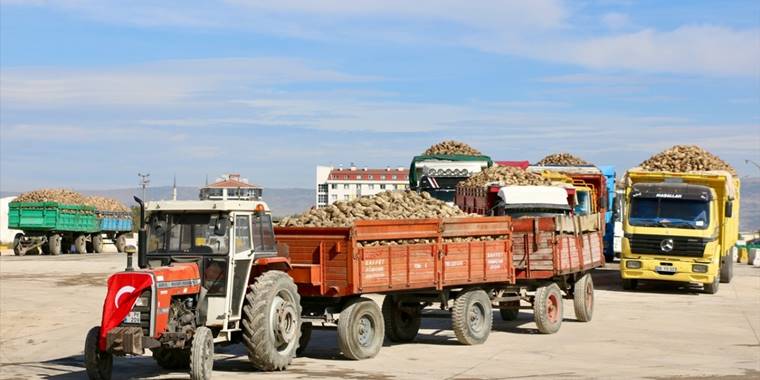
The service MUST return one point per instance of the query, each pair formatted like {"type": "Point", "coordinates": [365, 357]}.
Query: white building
{"type": "Point", "coordinates": [231, 187]}
{"type": "Point", "coordinates": [342, 184]}
{"type": "Point", "coordinates": [6, 235]}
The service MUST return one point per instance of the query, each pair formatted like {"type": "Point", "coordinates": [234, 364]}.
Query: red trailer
{"type": "Point", "coordinates": [467, 265]}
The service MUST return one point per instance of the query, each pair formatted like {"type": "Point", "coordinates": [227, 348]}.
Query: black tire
{"type": "Point", "coordinates": [472, 317]}
{"type": "Point", "coordinates": [509, 311]}
{"type": "Point", "coordinates": [120, 242]}
{"type": "Point", "coordinates": [712, 288]}
{"type": "Point", "coordinates": [172, 358]}
{"type": "Point", "coordinates": [727, 268]}
{"type": "Point", "coordinates": [98, 364]}
{"type": "Point", "coordinates": [583, 298]}
{"type": "Point", "coordinates": [547, 309]}
{"type": "Point", "coordinates": [272, 321]}
{"type": "Point", "coordinates": [303, 341]}
{"type": "Point", "coordinates": [54, 244]}
{"type": "Point", "coordinates": [402, 322]}
{"type": "Point", "coordinates": [630, 283]}
{"type": "Point", "coordinates": [80, 243]}
{"type": "Point", "coordinates": [18, 250]}
{"type": "Point", "coordinates": [97, 243]}
{"type": "Point", "coordinates": [202, 354]}
{"type": "Point", "coordinates": [361, 329]}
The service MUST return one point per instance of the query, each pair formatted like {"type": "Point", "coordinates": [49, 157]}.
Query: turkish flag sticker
{"type": "Point", "coordinates": [123, 290]}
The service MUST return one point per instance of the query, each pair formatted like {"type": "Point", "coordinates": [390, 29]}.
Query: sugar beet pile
{"type": "Point", "coordinates": [564, 159]}
{"type": "Point", "coordinates": [72, 198]}
{"type": "Point", "coordinates": [685, 158]}
{"type": "Point", "coordinates": [452, 147]}
{"type": "Point", "coordinates": [504, 175]}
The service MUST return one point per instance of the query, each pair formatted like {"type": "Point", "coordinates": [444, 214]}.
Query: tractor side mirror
{"type": "Point", "coordinates": [729, 209]}
{"type": "Point", "coordinates": [220, 229]}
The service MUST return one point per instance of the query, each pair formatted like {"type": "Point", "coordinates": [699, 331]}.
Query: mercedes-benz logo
{"type": "Point", "coordinates": [666, 245]}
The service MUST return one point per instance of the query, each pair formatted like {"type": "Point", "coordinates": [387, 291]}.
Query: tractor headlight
{"type": "Point", "coordinates": [633, 264]}
{"type": "Point", "coordinates": [699, 268]}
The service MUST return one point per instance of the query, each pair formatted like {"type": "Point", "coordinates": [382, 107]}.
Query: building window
{"type": "Point", "coordinates": [395, 176]}
{"type": "Point", "coordinates": [358, 177]}
{"type": "Point", "coordinates": [334, 186]}
{"type": "Point", "coordinates": [370, 177]}
{"type": "Point", "coordinates": [395, 187]}
{"type": "Point", "coordinates": [402, 187]}
{"type": "Point", "coordinates": [322, 188]}
{"type": "Point", "coordinates": [382, 177]}
{"type": "Point", "coordinates": [333, 197]}
{"type": "Point", "coordinates": [346, 186]}
{"type": "Point", "coordinates": [382, 186]}
{"type": "Point", "coordinates": [345, 197]}
{"type": "Point", "coordinates": [371, 186]}
{"type": "Point", "coordinates": [322, 198]}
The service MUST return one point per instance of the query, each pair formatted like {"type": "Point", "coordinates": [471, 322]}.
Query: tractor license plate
{"type": "Point", "coordinates": [666, 269]}
{"type": "Point", "coordinates": [132, 317]}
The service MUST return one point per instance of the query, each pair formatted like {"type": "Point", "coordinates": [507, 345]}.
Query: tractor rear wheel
{"type": "Point", "coordinates": [54, 244]}
{"type": "Point", "coordinates": [547, 309]}
{"type": "Point", "coordinates": [97, 363]}
{"type": "Point", "coordinates": [472, 317]}
{"type": "Point", "coordinates": [172, 358]}
{"type": "Point", "coordinates": [361, 329]}
{"type": "Point", "coordinates": [272, 321]}
{"type": "Point", "coordinates": [402, 321]}
{"type": "Point", "coordinates": [80, 243]}
{"type": "Point", "coordinates": [583, 298]}
{"type": "Point", "coordinates": [202, 354]}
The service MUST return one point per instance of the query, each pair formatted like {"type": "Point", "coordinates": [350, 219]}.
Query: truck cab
{"type": "Point", "coordinates": [532, 201]}
{"type": "Point", "coordinates": [440, 174]}
{"type": "Point", "coordinates": [679, 227]}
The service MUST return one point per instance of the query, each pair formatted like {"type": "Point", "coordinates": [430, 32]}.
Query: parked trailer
{"type": "Point", "coordinates": [52, 227]}
{"type": "Point", "coordinates": [431, 263]}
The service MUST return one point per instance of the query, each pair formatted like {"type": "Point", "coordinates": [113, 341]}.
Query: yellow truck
{"type": "Point", "coordinates": [680, 227]}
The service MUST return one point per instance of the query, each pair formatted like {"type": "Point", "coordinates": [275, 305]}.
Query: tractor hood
{"type": "Point", "coordinates": [125, 287]}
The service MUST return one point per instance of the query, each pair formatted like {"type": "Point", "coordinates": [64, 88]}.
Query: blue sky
{"type": "Point", "coordinates": [93, 92]}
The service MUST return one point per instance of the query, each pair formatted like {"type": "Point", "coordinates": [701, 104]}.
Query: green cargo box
{"type": "Point", "coordinates": [52, 216]}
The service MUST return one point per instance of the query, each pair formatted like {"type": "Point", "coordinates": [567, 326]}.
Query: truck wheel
{"type": "Point", "coordinates": [509, 310]}
{"type": "Point", "coordinates": [547, 309]}
{"type": "Point", "coordinates": [97, 243]}
{"type": "Point", "coordinates": [272, 321]}
{"type": "Point", "coordinates": [80, 243]}
{"type": "Point", "coordinates": [727, 268]}
{"type": "Point", "coordinates": [630, 284]}
{"type": "Point", "coordinates": [712, 288]}
{"type": "Point", "coordinates": [303, 341]}
{"type": "Point", "coordinates": [402, 322]}
{"type": "Point", "coordinates": [54, 244]}
{"type": "Point", "coordinates": [97, 363]}
{"type": "Point", "coordinates": [361, 329]}
{"type": "Point", "coordinates": [751, 254]}
{"type": "Point", "coordinates": [172, 358]}
{"type": "Point", "coordinates": [472, 317]}
{"type": "Point", "coordinates": [121, 243]}
{"type": "Point", "coordinates": [583, 298]}
{"type": "Point", "coordinates": [202, 354]}
{"type": "Point", "coordinates": [18, 250]}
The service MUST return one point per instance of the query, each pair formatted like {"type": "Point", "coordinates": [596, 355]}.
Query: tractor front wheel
{"type": "Point", "coordinates": [97, 363]}
{"type": "Point", "coordinates": [202, 354]}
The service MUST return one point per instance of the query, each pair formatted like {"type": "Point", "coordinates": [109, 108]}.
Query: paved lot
{"type": "Point", "coordinates": [47, 304]}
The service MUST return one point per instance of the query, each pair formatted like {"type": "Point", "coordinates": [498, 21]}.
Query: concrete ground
{"type": "Point", "coordinates": [47, 304]}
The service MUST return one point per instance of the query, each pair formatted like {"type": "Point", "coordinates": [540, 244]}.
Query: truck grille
{"type": "Point", "coordinates": [144, 309]}
{"type": "Point", "coordinates": [682, 246]}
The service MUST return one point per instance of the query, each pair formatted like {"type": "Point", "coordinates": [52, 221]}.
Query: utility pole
{"type": "Point", "coordinates": [144, 181]}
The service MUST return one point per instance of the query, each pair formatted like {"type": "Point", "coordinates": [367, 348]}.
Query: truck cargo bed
{"type": "Point", "coordinates": [51, 216]}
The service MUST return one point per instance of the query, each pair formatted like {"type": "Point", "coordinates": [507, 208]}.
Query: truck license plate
{"type": "Point", "coordinates": [132, 317]}
{"type": "Point", "coordinates": [665, 268]}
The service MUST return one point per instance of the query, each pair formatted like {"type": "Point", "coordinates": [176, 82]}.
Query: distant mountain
{"type": "Point", "coordinates": [283, 202]}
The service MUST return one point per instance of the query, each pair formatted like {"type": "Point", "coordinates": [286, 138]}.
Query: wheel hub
{"type": "Point", "coordinates": [365, 331]}
{"type": "Point", "coordinates": [284, 325]}
{"type": "Point", "coordinates": [476, 317]}
{"type": "Point", "coordinates": [552, 308]}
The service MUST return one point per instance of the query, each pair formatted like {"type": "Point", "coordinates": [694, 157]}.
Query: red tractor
{"type": "Point", "coordinates": [208, 273]}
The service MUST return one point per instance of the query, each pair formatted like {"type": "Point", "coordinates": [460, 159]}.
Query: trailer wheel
{"type": "Point", "coordinates": [120, 242]}
{"type": "Point", "coordinates": [361, 329]}
{"type": "Point", "coordinates": [751, 253]}
{"type": "Point", "coordinates": [54, 244]}
{"type": "Point", "coordinates": [472, 317]}
{"type": "Point", "coordinates": [202, 354]}
{"type": "Point", "coordinates": [727, 268]}
{"type": "Point", "coordinates": [712, 288]}
{"type": "Point", "coordinates": [97, 243]}
{"type": "Point", "coordinates": [547, 309]}
{"type": "Point", "coordinates": [583, 298]}
{"type": "Point", "coordinates": [630, 283]}
{"type": "Point", "coordinates": [80, 243]}
{"type": "Point", "coordinates": [97, 363]}
{"type": "Point", "coordinates": [509, 310]}
{"type": "Point", "coordinates": [18, 250]}
{"type": "Point", "coordinates": [172, 358]}
{"type": "Point", "coordinates": [303, 341]}
{"type": "Point", "coordinates": [272, 321]}
{"type": "Point", "coordinates": [402, 322]}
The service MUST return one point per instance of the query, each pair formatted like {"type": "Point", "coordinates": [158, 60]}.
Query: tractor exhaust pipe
{"type": "Point", "coordinates": [142, 238]}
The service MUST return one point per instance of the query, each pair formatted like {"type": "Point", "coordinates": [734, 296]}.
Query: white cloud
{"type": "Point", "coordinates": [615, 20]}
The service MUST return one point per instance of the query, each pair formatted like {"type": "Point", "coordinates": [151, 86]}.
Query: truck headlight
{"type": "Point", "coordinates": [633, 264]}
{"type": "Point", "coordinates": [699, 268]}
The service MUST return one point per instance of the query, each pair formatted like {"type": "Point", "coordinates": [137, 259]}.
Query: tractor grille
{"type": "Point", "coordinates": [142, 306]}
{"type": "Point", "coordinates": [682, 246]}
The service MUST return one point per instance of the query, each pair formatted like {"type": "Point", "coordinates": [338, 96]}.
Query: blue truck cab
{"type": "Point", "coordinates": [609, 228]}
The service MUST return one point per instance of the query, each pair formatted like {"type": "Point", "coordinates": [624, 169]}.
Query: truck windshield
{"type": "Point", "coordinates": [584, 203]}
{"type": "Point", "coordinates": [671, 213]}
{"type": "Point", "coordinates": [188, 233]}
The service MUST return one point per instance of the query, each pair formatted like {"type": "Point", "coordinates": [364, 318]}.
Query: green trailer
{"type": "Point", "coordinates": [52, 227]}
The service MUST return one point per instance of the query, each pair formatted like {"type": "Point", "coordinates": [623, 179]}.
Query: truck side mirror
{"type": "Point", "coordinates": [729, 208]}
